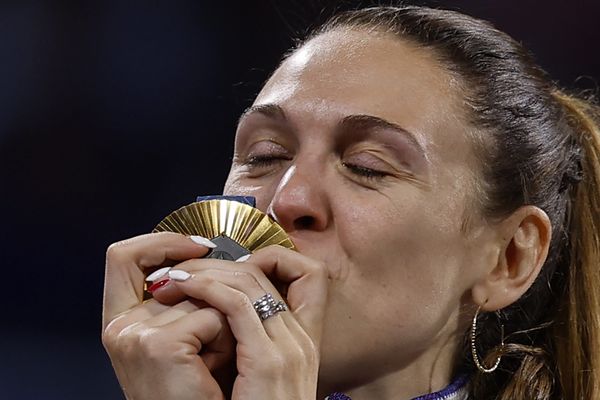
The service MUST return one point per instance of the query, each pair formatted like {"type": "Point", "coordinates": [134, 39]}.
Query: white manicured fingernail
{"type": "Point", "coordinates": [159, 273]}
{"type": "Point", "coordinates": [179, 275]}
{"type": "Point", "coordinates": [203, 241]}
{"type": "Point", "coordinates": [243, 258]}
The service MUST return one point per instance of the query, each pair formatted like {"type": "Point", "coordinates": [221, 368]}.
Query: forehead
{"type": "Point", "coordinates": [345, 72]}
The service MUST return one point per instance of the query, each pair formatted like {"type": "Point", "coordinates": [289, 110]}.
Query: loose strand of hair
{"type": "Point", "coordinates": [577, 335]}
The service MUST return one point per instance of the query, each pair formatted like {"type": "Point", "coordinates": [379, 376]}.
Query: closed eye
{"type": "Point", "coordinates": [265, 160]}
{"type": "Point", "coordinates": [365, 172]}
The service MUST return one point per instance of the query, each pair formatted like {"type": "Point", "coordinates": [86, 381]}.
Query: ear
{"type": "Point", "coordinates": [523, 240]}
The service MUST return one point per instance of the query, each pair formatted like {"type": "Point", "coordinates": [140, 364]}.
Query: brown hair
{"type": "Point", "coordinates": [541, 147]}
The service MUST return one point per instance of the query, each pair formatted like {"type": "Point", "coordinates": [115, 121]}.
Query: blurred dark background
{"type": "Point", "coordinates": [114, 113]}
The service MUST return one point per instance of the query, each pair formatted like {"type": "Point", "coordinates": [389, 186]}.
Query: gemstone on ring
{"type": "Point", "coordinates": [266, 306]}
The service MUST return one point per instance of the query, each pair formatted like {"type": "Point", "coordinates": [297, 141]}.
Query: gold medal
{"type": "Point", "coordinates": [236, 228]}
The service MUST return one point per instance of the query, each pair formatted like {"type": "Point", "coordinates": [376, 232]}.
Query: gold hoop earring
{"type": "Point", "coordinates": [478, 363]}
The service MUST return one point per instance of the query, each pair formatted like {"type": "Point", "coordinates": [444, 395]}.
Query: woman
{"type": "Point", "coordinates": [444, 198]}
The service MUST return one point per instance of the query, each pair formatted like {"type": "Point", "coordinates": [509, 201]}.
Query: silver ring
{"type": "Point", "coordinates": [267, 306]}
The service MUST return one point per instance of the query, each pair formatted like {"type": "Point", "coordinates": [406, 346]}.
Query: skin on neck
{"type": "Point", "coordinates": [430, 371]}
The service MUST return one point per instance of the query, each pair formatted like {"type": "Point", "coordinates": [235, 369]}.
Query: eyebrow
{"type": "Point", "coordinates": [371, 122]}
{"type": "Point", "coordinates": [354, 121]}
{"type": "Point", "coordinates": [272, 111]}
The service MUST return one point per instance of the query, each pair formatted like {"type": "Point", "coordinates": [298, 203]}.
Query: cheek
{"type": "Point", "coordinates": [399, 295]}
{"type": "Point", "coordinates": [401, 251]}
{"type": "Point", "coordinates": [403, 282]}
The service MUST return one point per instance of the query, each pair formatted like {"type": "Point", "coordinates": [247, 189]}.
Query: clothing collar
{"type": "Point", "coordinates": [457, 390]}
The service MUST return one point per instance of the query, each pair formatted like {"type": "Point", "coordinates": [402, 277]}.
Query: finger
{"type": "Point", "coordinates": [307, 279]}
{"type": "Point", "coordinates": [168, 293]}
{"type": "Point", "coordinates": [253, 285]}
{"type": "Point", "coordinates": [206, 331]}
{"type": "Point", "coordinates": [126, 260]}
{"type": "Point", "coordinates": [310, 312]}
{"type": "Point", "coordinates": [236, 305]}
{"type": "Point", "coordinates": [175, 312]}
{"type": "Point", "coordinates": [141, 312]}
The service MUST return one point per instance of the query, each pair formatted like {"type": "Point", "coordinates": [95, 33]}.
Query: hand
{"type": "Point", "coordinates": [277, 358]}
{"type": "Point", "coordinates": [154, 347]}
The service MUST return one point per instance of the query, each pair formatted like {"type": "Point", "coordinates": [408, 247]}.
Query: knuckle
{"type": "Point", "coordinates": [133, 340]}
{"type": "Point", "coordinates": [115, 251]}
{"type": "Point", "coordinates": [190, 265]}
{"type": "Point", "coordinates": [268, 251]}
{"type": "Point", "coordinates": [241, 301]}
{"type": "Point", "coordinates": [204, 279]}
{"type": "Point", "coordinates": [120, 343]}
{"type": "Point", "coordinates": [138, 342]}
{"type": "Point", "coordinates": [110, 335]}
{"type": "Point", "coordinates": [151, 343]}
{"type": "Point", "coordinates": [127, 342]}
{"type": "Point", "coordinates": [243, 274]}
{"type": "Point", "coordinates": [274, 248]}
{"type": "Point", "coordinates": [248, 276]}
{"type": "Point", "coordinates": [109, 341]}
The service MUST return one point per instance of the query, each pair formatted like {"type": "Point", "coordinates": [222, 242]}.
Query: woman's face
{"type": "Point", "coordinates": [356, 146]}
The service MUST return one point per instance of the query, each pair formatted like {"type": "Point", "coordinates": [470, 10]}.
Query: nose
{"type": "Point", "coordinates": [299, 203]}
